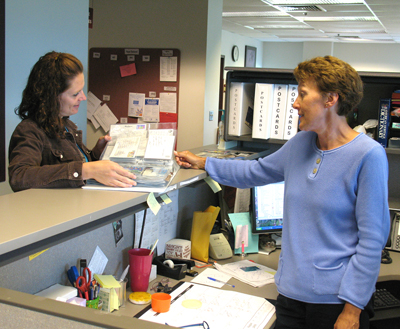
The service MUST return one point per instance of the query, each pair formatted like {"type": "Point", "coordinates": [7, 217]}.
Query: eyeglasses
{"type": "Point", "coordinates": [161, 286]}
{"type": "Point", "coordinates": [204, 324]}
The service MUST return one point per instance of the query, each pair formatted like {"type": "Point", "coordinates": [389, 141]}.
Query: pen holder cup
{"type": "Point", "coordinates": [93, 303]}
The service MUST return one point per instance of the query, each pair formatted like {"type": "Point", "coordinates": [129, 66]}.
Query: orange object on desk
{"type": "Point", "coordinates": [160, 302]}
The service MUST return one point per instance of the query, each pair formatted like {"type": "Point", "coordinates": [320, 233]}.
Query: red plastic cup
{"type": "Point", "coordinates": [140, 267]}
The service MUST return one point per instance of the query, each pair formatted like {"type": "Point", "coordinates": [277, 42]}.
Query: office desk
{"type": "Point", "coordinates": [38, 307]}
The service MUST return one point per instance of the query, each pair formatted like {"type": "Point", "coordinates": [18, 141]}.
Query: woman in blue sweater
{"type": "Point", "coordinates": [336, 216]}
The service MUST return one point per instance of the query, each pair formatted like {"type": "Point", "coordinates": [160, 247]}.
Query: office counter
{"type": "Point", "coordinates": [36, 219]}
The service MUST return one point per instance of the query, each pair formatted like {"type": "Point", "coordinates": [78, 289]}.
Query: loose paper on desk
{"type": "Point", "coordinates": [98, 262]}
{"type": "Point", "coordinates": [248, 272]}
{"type": "Point", "coordinates": [202, 278]}
{"type": "Point", "coordinates": [193, 303]}
{"type": "Point", "coordinates": [243, 218]}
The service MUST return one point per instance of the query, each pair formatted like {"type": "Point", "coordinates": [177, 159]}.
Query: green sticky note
{"type": "Point", "coordinates": [165, 198]}
{"type": "Point", "coordinates": [213, 184]}
{"type": "Point", "coordinates": [153, 203]}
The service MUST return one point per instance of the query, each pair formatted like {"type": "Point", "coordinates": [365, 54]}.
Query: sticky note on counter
{"type": "Point", "coordinates": [213, 184]}
{"type": "Point", "coordinates": [153, 203]}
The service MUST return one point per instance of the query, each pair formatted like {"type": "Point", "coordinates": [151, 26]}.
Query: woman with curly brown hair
{"type": "Point", "coordinates": [46, 149]}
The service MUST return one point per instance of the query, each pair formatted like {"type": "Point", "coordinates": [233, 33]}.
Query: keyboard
{"type": "Point", "coordinates": [384, 299]}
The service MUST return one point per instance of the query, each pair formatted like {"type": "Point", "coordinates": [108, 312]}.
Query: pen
{"type": "Point", "coordinates": [154, 246]}
{"type": "Point", "coordinates": [91, 293]}
{"type": "Point", "coordinates": [221, 282]}
{"type": "Point", "coordinates": [122, 278]}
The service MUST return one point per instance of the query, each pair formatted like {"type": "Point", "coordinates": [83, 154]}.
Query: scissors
{"type": "Point", "coordinates": [82, 287]}
{"type": "Point", "coordinates": [87, 274]}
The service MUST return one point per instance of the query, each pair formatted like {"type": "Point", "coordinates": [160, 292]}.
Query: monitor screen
{"type": "Point", "coordinates": [267, 208]}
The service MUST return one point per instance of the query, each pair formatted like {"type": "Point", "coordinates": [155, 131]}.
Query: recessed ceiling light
{"type": "Point", "coordinates": [335, 19]}
{"type": "Point", "coordinates": [297, 27]}
{"type": "Point", "coordinates": [254, 14]}
{"type": "Point", "coordinates": [313, 2]}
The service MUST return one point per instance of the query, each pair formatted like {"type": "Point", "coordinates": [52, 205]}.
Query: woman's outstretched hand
{"type": "Point", "coordinates": [187, 159]}
{"type": "Point", "coordinates": [108, 173]}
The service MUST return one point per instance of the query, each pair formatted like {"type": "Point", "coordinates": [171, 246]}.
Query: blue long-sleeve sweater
{"type": "Point", "coordinates": [336, 215]}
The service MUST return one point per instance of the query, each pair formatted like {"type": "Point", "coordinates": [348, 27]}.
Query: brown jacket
{"type": "Point", "coordinates": [36, 161]}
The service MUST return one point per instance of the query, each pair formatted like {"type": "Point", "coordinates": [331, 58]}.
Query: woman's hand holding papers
{"type": "Point", "coordinates": [108, 173]}
{"type": "Point", "coordinates": [187, 159]}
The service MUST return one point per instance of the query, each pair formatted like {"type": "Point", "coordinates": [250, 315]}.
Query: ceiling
{"type": "Point", "coordinates": [366, 21]}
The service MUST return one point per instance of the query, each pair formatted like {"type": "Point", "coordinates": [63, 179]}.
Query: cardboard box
{"type": "Point", "coordinates": [178, 249]}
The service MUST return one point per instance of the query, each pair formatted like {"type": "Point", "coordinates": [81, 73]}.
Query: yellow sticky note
{"type": "Point", "coordinates": [114, 301]}
{"type": "Point", "coordinates": [213, 184]}
{"type": "Point", "coordinates": [31, 257]}
{"type": "Point", "coordinates": [153, 203]}
{"type": "Point", "coordinates": [106, 281]}
{"type": "Point", "coordinates": [165, 198]}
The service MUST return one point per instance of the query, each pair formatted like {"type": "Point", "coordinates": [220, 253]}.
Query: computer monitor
{"type": "Point", "coordinates": [267, 208]}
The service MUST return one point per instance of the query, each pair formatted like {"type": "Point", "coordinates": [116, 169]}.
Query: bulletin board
{"type": "Point", "coordinates": [111, 82]}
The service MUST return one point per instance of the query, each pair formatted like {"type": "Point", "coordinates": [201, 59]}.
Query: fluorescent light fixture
{"type": "Point", "coordinates": [358, 31]}
{"type": "Point", "coordinates": [335, 19]}
{"type": "Point", "coordinates": [249, 27]}
{"type": "Point", "coordinates": [254, 14]}
{"type": "Point", "coordinates": [297, 27]}
{"type": "Point", "coordinates": [311, 2]}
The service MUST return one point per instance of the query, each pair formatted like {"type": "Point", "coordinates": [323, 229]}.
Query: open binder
{"type": "Point", "coordinates": [146, 150]}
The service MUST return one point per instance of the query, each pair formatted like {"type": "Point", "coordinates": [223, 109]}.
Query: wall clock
{"type": "Point", "coordinates": [235, 53]}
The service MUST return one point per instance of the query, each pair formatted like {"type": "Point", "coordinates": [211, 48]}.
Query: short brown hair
{"type": "Point", "coordinates": [333, 75]}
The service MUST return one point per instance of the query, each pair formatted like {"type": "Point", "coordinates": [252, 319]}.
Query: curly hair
{"type": "Point", "coordinates": [49, 77]}
{"type": "Point", "coordinates": [333, 75]}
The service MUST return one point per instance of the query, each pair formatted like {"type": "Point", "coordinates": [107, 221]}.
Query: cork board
{"type": "Point", "coordinates": [112, 77]}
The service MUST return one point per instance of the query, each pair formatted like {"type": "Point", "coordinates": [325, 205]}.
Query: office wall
{"type": "Point", "coordinates": [213, 63]}
{"type": "Point", "coordinates": [362, 56]}
{"type": "Point", "coordinates": [32, 29]}
{"type": "Point", "coordinates": [230, 39]}
{"type": "Point", "coordinates": [181, 24]}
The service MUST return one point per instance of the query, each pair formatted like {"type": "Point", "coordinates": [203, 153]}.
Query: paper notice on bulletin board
{"type": "Point", "coordinates": [151, 111]}
{"type": "Point", "coordinates": [136, 104]}
{"type": "Point", "coordinates": [168, 102]}
{"type": "Point", "coordinates": [168, 68]}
